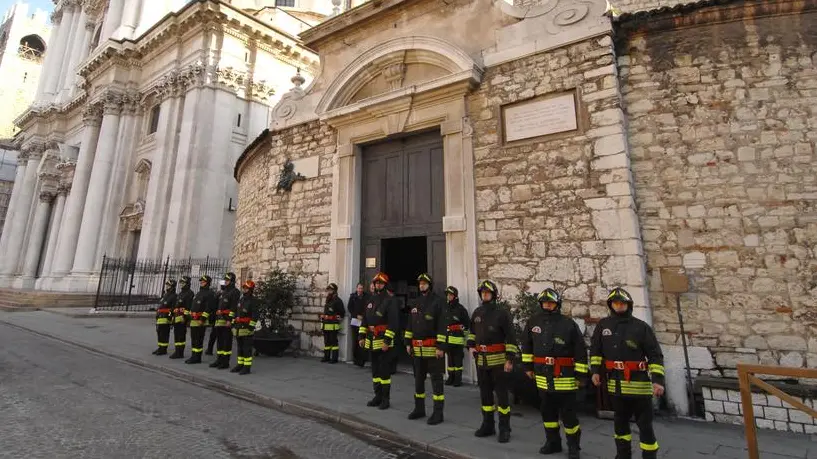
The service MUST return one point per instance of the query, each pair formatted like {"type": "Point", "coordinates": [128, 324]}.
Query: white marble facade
{"type": "Point", "coordinates": [140, 114]}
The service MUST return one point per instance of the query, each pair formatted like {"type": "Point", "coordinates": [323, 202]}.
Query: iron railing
{"type": "Point", "coordinates": [136, 285]}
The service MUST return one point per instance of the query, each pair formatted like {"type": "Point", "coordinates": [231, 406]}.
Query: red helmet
{"type": "Point", "coordinates": [381, 277]}
{"type": "Point", "coordinates": [248, 285]}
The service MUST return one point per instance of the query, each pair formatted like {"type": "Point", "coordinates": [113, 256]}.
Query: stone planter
{"type": "Point", "coordinates": [271, 344]}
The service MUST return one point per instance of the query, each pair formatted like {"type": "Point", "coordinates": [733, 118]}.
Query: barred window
{"type": "Point", "coordinates": [285, 3]}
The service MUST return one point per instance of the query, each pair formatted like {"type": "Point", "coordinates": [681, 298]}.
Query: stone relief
{"type": "Point", "coordinates": [92, 114]}
{"type": "Point", "coordinates": [288, 177]}
{"type": "Point", "coordinates": [66, 169]}
{"type": "Point", "coordinates": [394, 75]}
{"type": "Point", "coordinates": [231, 78]}
{"type": "Point", "coordinates": [131, 215]}
{"type": "Point", "coordinates": [287, 106]}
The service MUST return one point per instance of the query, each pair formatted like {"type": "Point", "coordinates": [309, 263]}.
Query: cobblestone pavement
{"type": "Point", "coordinates": [59, 401]}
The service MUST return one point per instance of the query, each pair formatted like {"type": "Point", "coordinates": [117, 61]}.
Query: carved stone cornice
{"type": "Point", "coordinates": [261, 91]}
{"type": "Point", "coordinates": [65, 169]}
{"type": "Point", "coordinates": [56, 17]}
{"type": "Point", "coordinates": [71, 4]}
{"type": "Point", "coordinates": [131, 101]}
{"type": "Point", "coordinates": [231, 78]}
{"type": "Point", "coordinates": [167, 85]}
{"type": "Point", "coordinates": [31, 151]}
{"type": "Point", "coordinates": [92, 114]}
{"type": "Point", "coordinates": [194, 75]}
{"type": "Point", "coordinates": [112, 103]}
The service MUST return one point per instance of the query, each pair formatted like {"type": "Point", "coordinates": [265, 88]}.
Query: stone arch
{"type": "Point", "coordinates": [32, 45]}
{"type": "Point", "coordinates": [383, 58]}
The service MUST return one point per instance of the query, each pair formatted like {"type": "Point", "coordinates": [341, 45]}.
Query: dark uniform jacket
{"type": "Point", "coordinates": [165, 309]}
{"type": "Point", "coordinates": [625, 348]}
{"type": "Point", "coordinates": [380, 321]}
{"type": "Point", "coordinates": [227, 302]}
{"type": "Point", "coordinates": [181, 313]}
{"type": "Point", "coordinates": [553, 347]}
{"type": "Point", "coordinates": [204, 304]}
{"type": "Point", "coordinates": [246, 316]}
{"type": "Point", "coordinates": [333, 312]}
{"type": "Point", "coordinates": [454, 326]}
{"type": "Point", "coordinates": [492, 335]}
{"type": "Point", "coordinates": [357, 304]}
{"type": "Point", "coordinates": [425, 314]}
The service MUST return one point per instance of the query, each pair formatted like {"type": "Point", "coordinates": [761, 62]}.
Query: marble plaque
{"type": "Point", "coordinates": [540, 117]}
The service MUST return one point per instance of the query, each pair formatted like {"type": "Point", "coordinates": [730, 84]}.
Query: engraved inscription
{"type": "Point", "coordinates": [540, 117]}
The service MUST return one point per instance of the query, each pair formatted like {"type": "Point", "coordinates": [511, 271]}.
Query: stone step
{"type": "Point", "coordinates": [36, 299]}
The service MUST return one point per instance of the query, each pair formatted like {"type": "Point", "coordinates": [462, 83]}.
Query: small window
{"type": "Point", "coordinates": [153, 126]}
{"type": "Point", "coordinates": [285, 3]}
{"type": "Point", "coordinates": [25, 77]}
{"type": "Point", "coordinates": [238, 123]}
{"type": "Point", "coordinates": [246, 57]}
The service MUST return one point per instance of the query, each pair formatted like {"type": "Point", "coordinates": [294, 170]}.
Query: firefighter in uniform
{"type": "Point", "coordinates": [493, 346]}
{"type": "Point", "coordinates": [333, 312]}
{"type": "Point", "coordinates": [357, 306]}
{"type": "Point", "coordinates": [376, 334]}
{"type": "Point", "coordinates": [163, 317]}
{"type": "Point", "coordinates": [454, 329]}
{"type": "Point", "coordinates": [204, 304]}
{"type": "Point", "coordinates": [424, 322]}
{"type": "Point", "coordinates": [246, 316]}
{"type": "Point", "coordinates": [626, 350]}
{"type": "Point", "coordinates": [222, 325]}
{"type": "Point", "coordinates": [555, 356]}
{"type": "Point", "coordinates": [181, 317]}
{"type": "Point", "coordinates": [211, 339]}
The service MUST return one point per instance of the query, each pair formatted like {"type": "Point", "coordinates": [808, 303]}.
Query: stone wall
{"type": "Point", "coordinates": [557, 208]}
{"type": "Point", "coordinates": [289, 230]}
{"type": "Point", "coordinates": [626, 6]}
{"type": "Point", "coordinates": [724, 406]}
{"type": "Point", "coordinates": [721, 131]}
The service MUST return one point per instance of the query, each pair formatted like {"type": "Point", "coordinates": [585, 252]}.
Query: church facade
{"type": "Point", "coordinates": [666, 147]}
{"type": "Point", "coordinates": [141, 112]}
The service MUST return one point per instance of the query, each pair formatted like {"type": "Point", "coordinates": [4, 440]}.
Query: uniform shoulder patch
{"type": "Point", "coordinates": [536, 329]}
{"type": "Point", "coordinates": [414, 310]}
{"type": "Point", "coordinates": [558, 340]}
{"type": "Point", "coordinates": [631, 344]}
{"type": "Point", "coordinates": [477, 320]}
{"type": "Point", "coordinates": [369, 306]}
{"type": "Point", "coordinates": [606, 332]}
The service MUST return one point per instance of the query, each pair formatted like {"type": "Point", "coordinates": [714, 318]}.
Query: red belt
{"type": "Point", "coordinates": [244, 320]}
{"type": "Point", "coordinates": [163, 311]}
{"type": "Point", "coordinates": [178, 311]}
{"type": "Point", "coordinates": [490, 348]}
{"type": "Point", "coordinates": [556, 362]}
{"type": "Point", "coordinates": [430, 342]}
{"type": "Point", "coordinates": [195, 315]}
{"type": "Point", "coordinates": [626, 367]}
{"type": "Point", "coordinates": [325, 317]}
{"type": "Point", "coordinates": [378, 328]}
{"type": "Point", "coordinates": [457, 327]}
{"type": "Point", "coordinates": [223, 312]}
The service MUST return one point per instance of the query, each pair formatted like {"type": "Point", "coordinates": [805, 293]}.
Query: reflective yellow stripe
{"type": "Point", "coordinates": [163, 344]}
{"type": "Point", "coordinates": [196, 349]}
{"type": "Point", "coordinates": [247, 361]}
{"type": "Point", "coordinates": [595, 360]}
{"type": "Point", "coordinates": [240, 360]}
{"type": "Point", "coordinates": [458, 340]}
{"type": "Point", "coordinates": [389, 334]}
{"type": "Point", "coordinates": [559, 384]}
{"type": "Point", "coordinates": [162, 321]}
{"type": "Point", "coordinates": [454, 368]}
{"type": "Point", "coordinates": [649, 447]}
{"type": "Point", "coordinates": [438, 398]}
{"type": "Point", "coordinates": [331, 327]}
{"type": "Point", "coordinates": [571, 430]}
{"type": "Point", "coordinates": [424, 351]}
{"type": "Point", "coordinates": [488, 409]}
{"type": "Point", "coordinates": [581, 367]}
{"type": "Point", "coordinates": [420, 396]}
{"type": "Point", "coordinates": [631, 387]}
{"type": "Point", "coordinates": [656, 369]}
{"type": "Point", "coordinates": [551, 425]}
{"type": "Point", "coordinates": [179, 344]}
{"type": "Point", "coordinates": [506, 410]}
{"type": "Point", "coordinates": [627, 437]}
{"type": "Point", "coordinates": [408, 334]}
{"type": "Point", "coordinates": [512, 348]}
{"type": "Point", "coordinates": [253, 323]}
{"type": "Point", "coordinates": [196, 323]}
{"type": "Point", "coordinates": [471, 337]}
{"type": "Point", "coordinates": [224, 352]}
{"type": "Point", "coordinates": [178, 319]}
{"type": "Point", "coordinates": [527, 358]}
{"type": "Point", "coordinates": [376, 380]}
{"type": "Point", "coordinates": [385, 382]}
{"type": "Point", "coordinates": [206, 315]}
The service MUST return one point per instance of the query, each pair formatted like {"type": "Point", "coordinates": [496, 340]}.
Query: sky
{"type": "Point", "coordinates": [46, 5]}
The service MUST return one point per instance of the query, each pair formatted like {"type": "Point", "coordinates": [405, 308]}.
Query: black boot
{"type": "Point", "coordinates": [245, 370]}
{"type": "Point", "coordinates": [437, 415]}
{"type": "Point", "coordinates": [225, 362]}
{"type": "Point", "coordinates": [378, 395]}
{"type": "Point", "coordinates": [217, 362]}
{"type": "Point", "coordinates": [504, 428]}
{"type": "Point", "coordinates": [573, 445]}
{"type": "Point", "coordinates": [325, 356]}
{"type": "Point", "coordinates": [178, 353]}
{"type": "Point", "coordinates": [162, 350]}
{"type": "Point", "coordinates": [156, 352]}
{"type": "Point", "coordinates": [333, 356]}
{"type": "Point", "coordinates": [487, 428]}
{"type": "Point", "coordinates": [195, 358]}
{"type": "Point", "coordinates": [646, 454]}
{"type": "Point", "coordinates": [450, 380]}
{"type": "Point", "coordinates": [419, 408]}
{"type": "Point", "coordinates": [385, 403]}
{"type": "Point", "coordinates": [458, 378]}
{"type": "Point", "coordinates": [553, 442]}
{"type": "Point", "coordinates": [237, 368]}
{"type": "Point", "coordinates": [624, 449]}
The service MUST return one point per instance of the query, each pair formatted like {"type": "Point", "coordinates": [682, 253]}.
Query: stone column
{"type": "Point", "coordinates": [51, 247]}
{"type": "Point", "coordinates": [57, 52]}
{"type": "Point", "coordinates": [50, 58]}
{"type": "Point", "coordinates": [130, 18]}
{"type": "Point", "coordinates": [75, 203]}
{"type": "Point", "coordinates": [112, 19]}
{"type": "Point", "coordinates": [89, 235]}
{"type": "Point", "coordinates": [11, 256]}
{"type": "Point", "coordinates": [36, 239]}
{"type": "Point", "coordinates": [67, 71]}
{"type": "Point", "coordinates": [22, 162]}
{"type": "Point", "coordinates": [78, 50]}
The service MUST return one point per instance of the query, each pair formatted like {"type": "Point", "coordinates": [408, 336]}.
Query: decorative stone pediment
{"type": "Point", "coordinates": [398, 70]}
{"type": "Point", "coordinates": [143, 167]}
{"type": "Point", "coordinates": [131, 216]}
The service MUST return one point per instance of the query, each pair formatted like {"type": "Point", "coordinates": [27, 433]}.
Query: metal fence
{"type": "Point", "coordinates": [137, 285]}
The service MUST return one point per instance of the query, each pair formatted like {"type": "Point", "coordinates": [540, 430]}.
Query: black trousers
{"type": "Point", "coordinates": [197, 339]}
{"type": "Point", "coordinates": [224, 336]}
{"type": "Point", "coordinates": [493, 380]}
{"type": "Point", "coordinates": [243, 346]}
{"type": "Point", "coordinates": [640, 407]}
{"type": "Point", "coordinates": [556, 405]}
{"type": "Point", "coordinates": [358, 353]}
{"type": "Point", "coordinates": [212, 340]}
{"type": "Point", "coordinates": [163, 335]}
{"type": "Point", "coordinates": [433, 367]}
{"type": "Point", "coordinates": [179, 335]}
{"type": "Point", "coordinates": [455, 358]}
{"type": "Point", "coordinates": [381, 367]}
{"type": "Point", "coordinates": [330, 340]}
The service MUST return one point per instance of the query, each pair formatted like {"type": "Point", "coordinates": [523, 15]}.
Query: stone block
{"type": "Point", "coordinates": [776, 414]}
{"type": "Point", "coordinates": [694, 260]}
{"type": "Point", "coordinates": [781, 426]}
{"type": "Point", "coordinates": [734, 396]}
{"type": "Point", "coordinates": [732, 408]}
{"type": "Point", "coordinates": [728, 418]}
{"type": "Point", "coordinates": [796, 415]}
{"type": "Point", "coordinates": [613, 161]}
{"type": "Point", "coordinates": [810, 429]}
{"type": "Point", "coordinates": [609, 145]}
{"type": "Point", "coordinates": [713, 406]}
{"type": "Point", "coordinates": [720, 394]}
{"type": "Point", "coordinates": [764, 424]}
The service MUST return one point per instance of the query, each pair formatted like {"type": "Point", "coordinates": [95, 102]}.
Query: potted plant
{"type": "Point", "coordinates": [275, 294]}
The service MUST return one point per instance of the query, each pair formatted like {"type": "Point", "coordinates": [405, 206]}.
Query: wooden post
{"type": "Point", "coordinates": [748, 412]}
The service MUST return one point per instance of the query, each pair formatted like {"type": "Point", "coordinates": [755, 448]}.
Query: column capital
{"type": "Point", "coordinates": [66, 169]}
{"type": "Point", "coordinates": [112, 103]}
{"type": "Point", "coordinates": [90, 26]}
{"type": "Point", "coordinates": [47, 196]}
{"type": "Point", "coordinates": [92, 115]}
{"type": "Point", "coordinates": [31, 151]}
{"type": "Point", "coordinates": [56, 17]}
{"type": "Point", "coordinates": [231, 78]}
{"type": "Point", "coordinates": [131, 101]}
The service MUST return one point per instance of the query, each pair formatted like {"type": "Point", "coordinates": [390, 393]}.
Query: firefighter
{"type": "Point", "coordinates": [425, 319]}
{"type": "Point", "coordinates": [493, 346]}
{"type": "Point", "coordinates": [454, 329]}
{"type": "Point", "coordinates": [222, 324]}
{"type": "Point", "coordinates": [376, 334]}
{"type": "Point", "coordinates": [625, 349]}
{"type": "Point", "coordinates": [555, 356]}
{"type": "Point", "coordinates": [357, 306]}
{"type": "Point", "coordinates": [246, 316]}
{"type": "Point", "coordinates": [333, 312]}
{"type": "Point", "coordinates": [204, 304]}
{"type": "Point", "coordinates": [211, 339]}
{"type": "Point", "coordinates": [181, 317]}
{"type": "Point", "coordinates": [163, 317]}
